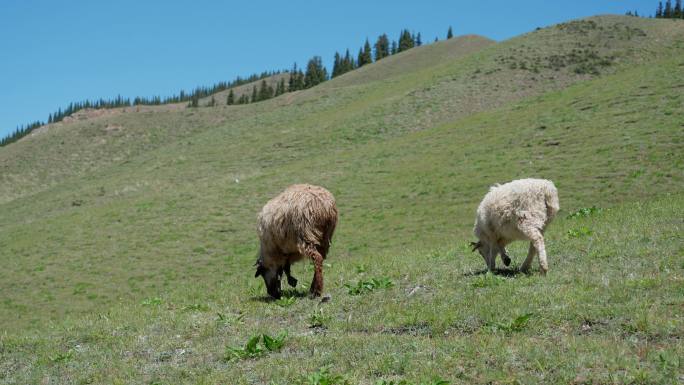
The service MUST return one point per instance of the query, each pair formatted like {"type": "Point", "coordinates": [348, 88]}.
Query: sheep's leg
{"type": "Point", "coordinates": [317, 284]}
{"type": "Point", "coordinates": [486, 259]}
{"type": "Point", "coordinates": [528, 261]}
{"type": "Point", "coordinates": [292, 281]}
{"type": "Point", "coordinates": [491, 259]}
{"type": "Point", "coordinates": [504, 256]}
{"type": "Point", "coordinates": [541, 249]}
{"type": "Point", "coordinates": [537, 240]}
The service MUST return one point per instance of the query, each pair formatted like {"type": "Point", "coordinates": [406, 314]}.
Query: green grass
{"type": "Point", "coordinates": [368, 285]}
{"type": "Point", "coordinates": [608, 311]}
{"type": "Point", "coordinates": [256, 347]}
{"type": "Point", "coordinates": [127, 253]}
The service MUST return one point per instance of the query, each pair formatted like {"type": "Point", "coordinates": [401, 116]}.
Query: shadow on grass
{"type": "Point", "coordinates": [287, 293]}
{"type": "Point", "coordinates": [295, 293]}
{"type": "Point", "coordinates": [511, 272]}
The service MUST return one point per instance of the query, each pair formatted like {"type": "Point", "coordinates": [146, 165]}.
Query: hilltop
{"type": "Point", "coordinates": [125, 234]}
{"type": "Point", "coordinates": [245, 89]}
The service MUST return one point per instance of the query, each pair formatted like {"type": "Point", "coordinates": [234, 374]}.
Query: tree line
{"type": "Point", "coordinates": [20, 132]}
{"type": "Point", "coordinates": [183, 96]}
{"type": "Point", "coordinates": [381, 49]}
{"type": "Point", "coordinates": [314, 74]}
{"type": "Point", "coordinates": [667, 11]}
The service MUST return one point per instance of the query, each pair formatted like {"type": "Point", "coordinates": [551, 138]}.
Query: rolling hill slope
{"type": "Point", "coordinates": [125, 235]}
{"type": "Point", "coordinates": [429, 92]}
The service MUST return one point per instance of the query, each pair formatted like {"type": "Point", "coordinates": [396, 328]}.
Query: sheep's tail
{"type": "Point", "coordinates": [327, 237]}
{"type": "Point", "coordinates": [551, 201]}
{"type": "Point", "coordinates": [494, 187]}
{"type": "Point", "coordinates": [259, 256]}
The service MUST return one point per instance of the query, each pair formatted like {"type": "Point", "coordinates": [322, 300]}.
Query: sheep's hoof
{"type": "Point", "coordinates": [506, 260]}
{"type": "Point", "coordinates": [314, 293]}
{"type": "Point", "coordinates": [326, 298]}
{"type": "Point", "coordinates": [292, 281]}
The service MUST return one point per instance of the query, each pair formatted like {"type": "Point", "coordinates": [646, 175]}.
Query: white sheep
{"type": "Point", "coordinates": [518, 210]}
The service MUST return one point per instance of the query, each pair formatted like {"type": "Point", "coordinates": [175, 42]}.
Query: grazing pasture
{"type": "Point", "coordinates": [128, 253]}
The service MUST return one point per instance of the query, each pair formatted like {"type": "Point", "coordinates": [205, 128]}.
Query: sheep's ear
{"type": "Point", "coordinates": [476, 245]}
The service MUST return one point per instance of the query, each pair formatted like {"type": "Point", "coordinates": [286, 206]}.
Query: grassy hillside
{"type": "Point", "coordinates": [359, 106]}
{"type": "Point", "coordinates": [127, 251]}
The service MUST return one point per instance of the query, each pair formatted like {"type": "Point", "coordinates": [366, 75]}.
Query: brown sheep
{"type": "Point", "coordinates": [298, 223]}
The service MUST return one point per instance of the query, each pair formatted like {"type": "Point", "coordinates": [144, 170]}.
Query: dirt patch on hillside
{"type": "Point", "coordinates": [113, 127]}
{"type": "Point", "coordinates": [90, 113]}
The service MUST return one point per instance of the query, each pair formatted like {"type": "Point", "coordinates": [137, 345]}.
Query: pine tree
{"type": "Point", "coordinates": [393, 48]}
{"type": "Point", "coordinates": [231, 97]}
{"type": "Point", "coordinates": [255, 95]}
{"type": "Point", "coordinates": [347, 64]}
{"type": "Point", "coordinates": [265, 91]}
{"type": "Point", "coordinates": [677, 13]}
{"type": "Point", "coordinates": [365, 55]}
{"type": "Point", "coordinates": [659, 11]}
{"type": "Point", "coordinates": [315, 72]}
{"type": "Point", "coordinates": [382, 47]}
{"type": "Point", "coordinates": [296, 79]}
{"type": "Point", "coordinates": [212, 102]}
{"type": "Point", "coordinates": [450, 33]}
{"type": "Point", "coordinates": [405, 40]}
{"type": "Point", "coordinates": [299, 80]}
{"type": "Point", "coordinates": [291, 81]}
{"type": "Point", "coordinates": [280, 88]}
{"type": "Point", "coordinates": [419, 42]}
{"type": "Point", "coordinates": [194, 100]}
{"type": "Point", "coordinates": [337, 65]}
{"type": "Point", "coordinates": [348, 61]}
{"type": "Point", "coordinates": [667, 13]}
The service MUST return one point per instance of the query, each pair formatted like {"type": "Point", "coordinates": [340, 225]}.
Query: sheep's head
{"type": "Point", "coordinates": [272, 276]}
{"type": "Point", "coordinates": [482, 248]}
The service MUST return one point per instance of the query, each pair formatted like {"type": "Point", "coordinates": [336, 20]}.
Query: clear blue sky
{"type": "Point", "coordinates": [55, 52]}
